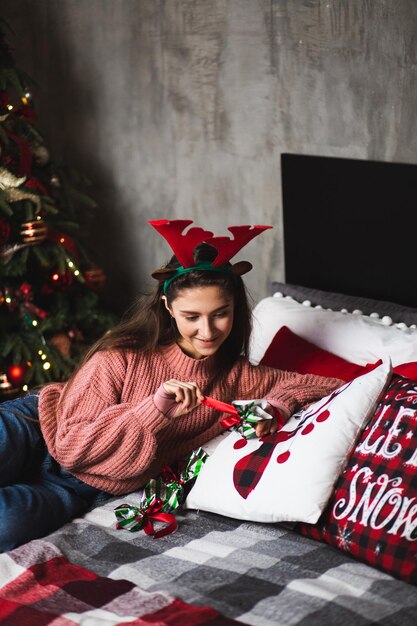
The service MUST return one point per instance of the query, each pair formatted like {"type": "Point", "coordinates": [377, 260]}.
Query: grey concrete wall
{"type": "Point", "coordinates": [181, 108]}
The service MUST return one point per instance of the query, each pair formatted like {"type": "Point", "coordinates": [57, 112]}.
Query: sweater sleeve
{"type": "Point", "coordinates": [88, 430]}
{"type": "Point", "coordinates": [288, 391]}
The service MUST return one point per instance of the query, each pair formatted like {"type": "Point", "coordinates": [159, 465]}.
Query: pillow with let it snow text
{"type": "Point", "coordinates": [289, 475]}
{"type": "Point", "coordinates": [372, 514]}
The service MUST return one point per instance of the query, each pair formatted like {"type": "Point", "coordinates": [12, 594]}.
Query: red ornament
{"type": "Point", "coordinates": [65, 241]}
{"type": "Point", "coordinates": [94, 277]}
{"type": "Point", "coordinates": [34, 232]}
{"type": "Point", "coordinates": [26, 112]}
{"type": "Point", "coordinates": [4, 231]}
{"type": "Point", "coordinates": [16, 374]}
{"type": "Point", "coordinates": [24, 297]}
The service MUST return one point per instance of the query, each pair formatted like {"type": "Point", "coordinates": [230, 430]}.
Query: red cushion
{"type": "Point", "coordinates": [409, 370]}
{"type": "Point", "coordinates": [288, 351]}
{"type": "Point", "coordinates": [372, 514]}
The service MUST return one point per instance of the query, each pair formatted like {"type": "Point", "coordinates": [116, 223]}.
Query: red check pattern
{"type": "Point", "coordinates": [372, 514]}
{"type": "Point", "coordinates": [38, 586]}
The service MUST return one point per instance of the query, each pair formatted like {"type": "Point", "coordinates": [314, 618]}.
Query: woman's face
{"type": "Point", "coordinates": [204, 318]}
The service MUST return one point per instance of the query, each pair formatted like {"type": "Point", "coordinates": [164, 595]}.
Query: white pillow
{"type": "Point", "coordinates": [300, 463]}
{"type": "Point", "coordinates": [356, 338]}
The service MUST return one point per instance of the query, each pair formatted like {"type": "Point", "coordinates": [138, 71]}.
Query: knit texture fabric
{"type": "Point", "coordinates": [107, 430]}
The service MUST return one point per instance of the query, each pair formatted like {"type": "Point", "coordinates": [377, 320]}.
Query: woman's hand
{"type": "Point", "coordinates": [178, 398]}
{"type": "Point", "coordinates": [270, 426]}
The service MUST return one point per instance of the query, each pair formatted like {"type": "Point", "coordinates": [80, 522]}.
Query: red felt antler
{"type": "Point", "coordinates": [182, 245]}
{"type": "Point", "coordinates": [227, 248]}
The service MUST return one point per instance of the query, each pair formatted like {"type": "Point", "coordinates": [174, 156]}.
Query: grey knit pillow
{"type": "Point", "coordinates": [337, 301]}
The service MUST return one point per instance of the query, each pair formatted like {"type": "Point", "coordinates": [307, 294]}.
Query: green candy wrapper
{"type": "Point", "coordinates": [160, 496]}
{"type": "Point", "coordinates": [248, 422]}
{"type": "Point", "coordinates": [243, 415]}
{"type": "Point", "coordinates": [250, 412]}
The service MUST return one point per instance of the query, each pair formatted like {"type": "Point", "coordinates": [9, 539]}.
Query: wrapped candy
{"type": "Point", "coordinates": [160, 496]}
{"type": "Point", "coordinates": [168, 491]}
{"type": "Point", "coordinates": [134, 518]}
{"type": "Point", "coordinates": [243, 415]}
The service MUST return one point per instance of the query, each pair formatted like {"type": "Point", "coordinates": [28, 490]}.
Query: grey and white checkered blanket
{"type": "Point", "coordinates": [256, 573]}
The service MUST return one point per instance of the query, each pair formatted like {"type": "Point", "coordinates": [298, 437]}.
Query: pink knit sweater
{"type": "Point", "coordinates": [108, 432]}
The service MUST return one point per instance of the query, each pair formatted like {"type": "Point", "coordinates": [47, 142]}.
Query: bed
{"type": "Point", "coordinates": [356, 563]}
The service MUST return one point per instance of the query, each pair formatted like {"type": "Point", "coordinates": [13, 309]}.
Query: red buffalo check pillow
{"type": "Point", "coordinates": [372, 514]}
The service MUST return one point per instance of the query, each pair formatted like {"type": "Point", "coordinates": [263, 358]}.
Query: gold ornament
{"type": "Point", "coordinates": [9, 183]}
{"type": "Point", "coordinates": [14, 195]}
{"type": "Point", "coordinates": [62, 343]}
{"type": "Point", "coordinates": [8, 251]}
{"type": "Point", "coordinates": [40, 153]}
{"type": "Point", "coordinates": [34, 232]}
{"type": "Point", "coordinates": [9, 180]}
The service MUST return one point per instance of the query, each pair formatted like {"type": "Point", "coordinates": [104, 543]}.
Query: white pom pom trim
{"type": "Point", "coordinates": [386, 320]}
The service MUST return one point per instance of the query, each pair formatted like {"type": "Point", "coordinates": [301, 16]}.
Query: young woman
{"type": "Point", "coordinates": [134, 404]}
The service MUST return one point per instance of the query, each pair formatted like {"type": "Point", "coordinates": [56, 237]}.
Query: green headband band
{"type": "Point", "coordinates": [207, 266]}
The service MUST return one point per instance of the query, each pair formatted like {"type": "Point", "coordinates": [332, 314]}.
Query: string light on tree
{"type": "Point", "coordinates": [46, 364]}
{"type": "Point", "coordinates": [74, 269]}
{"type": "Point", "coordinates": [62, 282]}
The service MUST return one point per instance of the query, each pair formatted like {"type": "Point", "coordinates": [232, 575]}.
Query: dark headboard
{"type": "Point", "coordinates": [350, 226]}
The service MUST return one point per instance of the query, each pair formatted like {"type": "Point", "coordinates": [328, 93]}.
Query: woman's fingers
{"type": "Point", "coordinates": [274, 426]}
{"type": "Point", "coordinates": [188, 395]}
{"type": "Point", "coordinates": [266, 427]}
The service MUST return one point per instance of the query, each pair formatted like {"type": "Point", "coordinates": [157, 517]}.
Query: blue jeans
{"type": "Point", "coordinates": [37, 495]}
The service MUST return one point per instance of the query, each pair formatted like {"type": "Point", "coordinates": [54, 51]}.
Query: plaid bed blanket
{"type": "Point", "coordinates": [258, 574]}
{"type": "Point", "coordinates": [38, 586]}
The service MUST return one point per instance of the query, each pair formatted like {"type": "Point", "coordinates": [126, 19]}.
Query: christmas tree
{"type": "Point", "coordinates": [50, 307]}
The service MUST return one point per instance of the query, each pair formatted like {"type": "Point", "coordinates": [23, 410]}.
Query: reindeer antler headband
{"type": "Point", "coordinates": [183, 246]}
